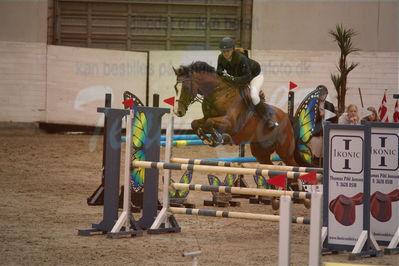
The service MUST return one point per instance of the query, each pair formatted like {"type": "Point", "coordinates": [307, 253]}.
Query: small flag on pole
{"type": "Point", "coordinates": [396, 112]}
{"type": "Point", "coordinates": [170, 101]}
{"type": "Point", "coordinates": [309, 178]}
{"type": "Point", "coordinates": [278, 181]}
{"type": "Point", "coordinates": [128, 103]}
{"type": "Point", "coordinates": [383, 111]}
{"type": "Point", "coordinates": [292, 85]}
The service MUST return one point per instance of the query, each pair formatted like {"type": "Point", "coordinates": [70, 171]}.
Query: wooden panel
{"type": "Point", "coordinates": [145, 25]}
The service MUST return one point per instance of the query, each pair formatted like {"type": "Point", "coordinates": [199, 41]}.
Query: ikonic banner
{"type": "Point", "coordinates": [384, 190]}
{"type": "Point", "coordinates": [345, 186]}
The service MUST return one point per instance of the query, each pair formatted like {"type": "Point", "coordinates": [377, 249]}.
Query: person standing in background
{"type": "Point", "coordinates": [351, 116]}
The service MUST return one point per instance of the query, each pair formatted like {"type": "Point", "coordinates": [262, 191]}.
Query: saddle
{"type": "Point", "coordinates": [381, 205]}
{"type": "Point", "coordinates": [343, 208]}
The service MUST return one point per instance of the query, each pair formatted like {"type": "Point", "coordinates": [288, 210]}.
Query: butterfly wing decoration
{"type": "Point", "coordinates": [304, 124]}
{"type": "Point", "coordinates": [181, 193]}
{"type": "Point", "coordinates": [128, 95]}
{"type": "Point", "coordinates": [229, 180]}
{"type": "Point", "coordinates": [139, 137]}
{"type": "Point", "coordinates": [214, 180]}
{"type": "Point", "coordinates": [261, 182]}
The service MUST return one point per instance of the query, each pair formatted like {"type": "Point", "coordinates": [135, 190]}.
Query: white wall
{"type": "Point", "coordinates": [376, 73]}
{"type": "Point", "coordinates": [304, 25]}
{"type": "Point", "coordinates": [78, 78]}
{"type": "Point", "coordinates": [22, 82]}
{"type": "Point", "coordinates": [65, 85]}
{"type": "Point", "coordinates": [23, 20]}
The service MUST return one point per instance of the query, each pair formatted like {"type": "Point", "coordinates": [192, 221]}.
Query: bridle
{"type": "Point", "coordinates": [194, 98]}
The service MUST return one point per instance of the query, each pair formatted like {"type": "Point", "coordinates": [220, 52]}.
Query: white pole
{"type": "Point", "coordinates": [125, 217]}
{"type": "Point", "coordinates": [315, 228]}
{"type": "Point", "coordinates": [284, 242]}
{"type": "Point", "coordinates": [163, 214]}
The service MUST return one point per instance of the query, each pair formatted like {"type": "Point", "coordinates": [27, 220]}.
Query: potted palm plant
{"type": "Point", "coordinates": [343, 37]}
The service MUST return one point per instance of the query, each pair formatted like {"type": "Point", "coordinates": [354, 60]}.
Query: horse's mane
{"type": "Point", "coordinates": [198, 66]}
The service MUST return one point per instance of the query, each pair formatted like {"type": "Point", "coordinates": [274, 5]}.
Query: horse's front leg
{"type": "Point", "coordinates": [198, 128]}
{"type": "Point", "coordinates": [220, 129]}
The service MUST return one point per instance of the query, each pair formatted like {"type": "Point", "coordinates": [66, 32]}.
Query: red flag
{"type": "Point", "coordinates": [383, 111]}
{"type": "Point", "coordinates": [128, 103]}
{"type": "Point", "coordinates": [278, 181]}
{"type": "Point", "coordinates": [292, 85]}
{"type": "Point", "coordinates": [396, 112]}
{"type": "Point", "coordinates": [170, 101]}
{"type": "Point", "coordinates": [309, 178]}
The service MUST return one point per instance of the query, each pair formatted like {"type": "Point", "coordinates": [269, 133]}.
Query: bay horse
{"type": "Point", "coordinates": [228, 117]}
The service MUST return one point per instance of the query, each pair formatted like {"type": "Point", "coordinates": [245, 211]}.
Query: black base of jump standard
{"type": "Point", "coordinates": [365, 254]}
{"type": "Point", "coordinates": [391, 251]}
{"type": "Point", "coordinates": [173, 228]}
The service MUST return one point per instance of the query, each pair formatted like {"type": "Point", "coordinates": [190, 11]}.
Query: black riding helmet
{"type": "Point", "coordinates": [226, 43]}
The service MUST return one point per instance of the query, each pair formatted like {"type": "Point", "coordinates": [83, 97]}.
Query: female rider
{"type": "Point", "coordinates": [239, 68]}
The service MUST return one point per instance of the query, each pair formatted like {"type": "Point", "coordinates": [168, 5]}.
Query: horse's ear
{"type": "Point", "coordinates": [176, 70]}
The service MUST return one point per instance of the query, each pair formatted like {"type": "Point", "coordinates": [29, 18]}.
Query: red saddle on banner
{"type": "Point", "coordinates": [381, 205]}
{"type": "Point", "coordinates": [344, 209]}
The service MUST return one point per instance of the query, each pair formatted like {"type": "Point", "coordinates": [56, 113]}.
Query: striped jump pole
{"type": "Point", "coordinates": [242, 159]}
{"type": "Point", "coordinates": [190, 142]}
{"type": "Point", "coordinates": [259, 166]}
{"type": "Point", "coordinates": [244, 191]}
{"type": "Point", "coordinates": [219, 169]}
{"type": "Point", "coordinates": [238, 215]}
{"type": "Point", "coordinates": [182, 137]}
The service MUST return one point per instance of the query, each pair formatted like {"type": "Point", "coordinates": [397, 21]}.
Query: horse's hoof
{"type": "Point", "coordinates": [214, 143]}
{"type": "Point", "coordinates": [226, 139]}
{"type": "Point", "coordinates": [307, 203]}
{"type": "Point", "coordinates": [206, 142]}
{"type": "Point", "coordinates": [275, 204]}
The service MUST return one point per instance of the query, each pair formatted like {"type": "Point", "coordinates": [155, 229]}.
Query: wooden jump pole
{"type": "Point", "coordinates": [247, 165]}
{"type": "Point", "coordinates": [219, 169]}
{"type": "Point", "coordinates": [238, 215]}
{"type": "Point", "coordinates": [244, 191]}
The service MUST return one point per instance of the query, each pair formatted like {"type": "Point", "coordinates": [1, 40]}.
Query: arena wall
{"type": "Point", "coordinates": [64, 85]}
{"type": "Point", "coordinates": [22, 81]}
{"type": "Point", "coordinates": [23, 20]}
{"type": "Point", "coordinates": [78, 78]}
{"type": "Point", "coordinates": [55, 84]}
{"type": "Point", "coordinates": [304, 25]}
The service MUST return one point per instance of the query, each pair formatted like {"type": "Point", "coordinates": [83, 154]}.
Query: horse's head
{"type": "Point", "coordinates": [186, 90]}
{"type": "Point", "coordinates": [199, 78]}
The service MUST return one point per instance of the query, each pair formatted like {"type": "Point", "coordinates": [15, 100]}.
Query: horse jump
{"type": "Point", "coordinates": [244, 191]}
{"type": "Point", "coordinates": [238, 215]}
{"type": "Point", "coordinates": [260, 166]}
{"type": "Point", "coordinates": [219, 169]}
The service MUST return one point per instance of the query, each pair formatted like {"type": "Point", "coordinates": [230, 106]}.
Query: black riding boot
{"type": "Point", "coordinates": [262, 111]}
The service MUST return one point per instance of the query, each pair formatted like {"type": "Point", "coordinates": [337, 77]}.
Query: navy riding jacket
{"type": "Point", "coordinates": [242, 68]}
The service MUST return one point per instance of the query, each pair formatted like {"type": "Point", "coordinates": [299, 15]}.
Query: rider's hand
{"type": "Point", "coordinates": [227, 75]}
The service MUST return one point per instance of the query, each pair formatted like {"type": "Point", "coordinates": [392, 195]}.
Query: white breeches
{"type": "Point", "coordinates": [255, 86]}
